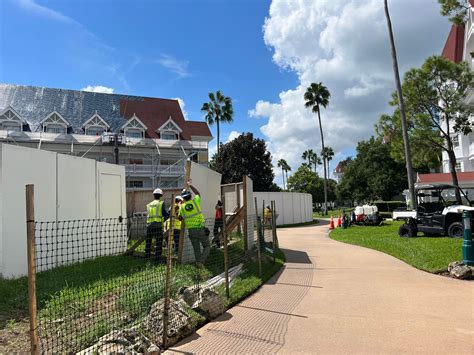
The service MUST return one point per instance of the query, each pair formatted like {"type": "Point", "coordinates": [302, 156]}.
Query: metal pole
{"type": "Point", "coordinates": [31, 250]}
{"type": "Point", "coordinates": [226, 250]}
{"type": "Point", "coordinates": [116, 148]}
{"type": "Point", "coordinates": [259, 252]}
{"type": "Point", "coordinates": [467, 245]}
{"type": "Point", "coordinates": [168, 275]}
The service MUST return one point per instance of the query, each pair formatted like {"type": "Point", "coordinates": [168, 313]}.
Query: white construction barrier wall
{"type": "Point", "coordinates": [66, 188]}
{"type": "Point", "coordinates": [291, 207]}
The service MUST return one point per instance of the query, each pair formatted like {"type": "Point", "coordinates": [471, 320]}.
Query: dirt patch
{"type": "Point", "coordinates": [14, 336]}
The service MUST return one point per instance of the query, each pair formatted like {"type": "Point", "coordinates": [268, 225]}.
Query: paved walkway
{"type": "Point", "coordinates": [337, 298]}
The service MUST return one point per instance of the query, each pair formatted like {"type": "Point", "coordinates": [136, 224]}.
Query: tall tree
{"type": "Point", "coordinates": [401, 105]}
{"type": "Point", "coordinates": [245, 155]}
{"type": "Point", "coordinates": [435, 99]}
{"type": "Point", "coordinates": [372, 175]}
{"type": "Point", "coordinates": [421, 134]}
{"type": "Point", "coordinates": [218, 109]}
{"type": "Point", "coordinates": [306, 180]}
{"type": "Point", "coordinates": [456, 10]}
{"type": "Point", "coordinates": [316, 160]}
{"type": "Point", "coordinates": [284, 167]}
{"type": "Point", "coordinates": [327, 154]}
{"type": "Point", "coordinates": [317, 96]}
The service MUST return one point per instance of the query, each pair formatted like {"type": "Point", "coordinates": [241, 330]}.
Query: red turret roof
{"type": "Point", "coordinates": [453, 49]}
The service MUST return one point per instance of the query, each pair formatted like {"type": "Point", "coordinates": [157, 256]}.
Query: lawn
{"type": "Point", "coordinates": [81, 302]}
{"type": "Point", "coordinates": [333, 213]}
{"type": "Point", "coordinates": [429, 254]}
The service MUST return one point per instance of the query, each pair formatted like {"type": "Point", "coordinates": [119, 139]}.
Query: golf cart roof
{"type": "Point", "coordinates": [435, 187]}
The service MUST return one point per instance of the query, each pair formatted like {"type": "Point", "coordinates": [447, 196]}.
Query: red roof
{"type": "Point", "coordinates": [454, 46]}
{"type": "Point", "coordinates": [155, 112]}
{"type": "Point", "coordinates": [445, 177]}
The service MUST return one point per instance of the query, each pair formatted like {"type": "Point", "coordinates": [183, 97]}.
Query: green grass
{"type": "Point", "coordinates": [334, 213]}
{"type": "Point", "coordinates": [429, 254]}
{"type": "Point", "coordinates": [114, 292]}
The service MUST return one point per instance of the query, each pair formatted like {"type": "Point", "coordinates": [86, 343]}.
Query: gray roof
{"type": "Point", "coordinates": [36, 103]}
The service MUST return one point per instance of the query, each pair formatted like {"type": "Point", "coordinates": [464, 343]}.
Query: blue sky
{"type": "Point", "coordinates": [186, 48]}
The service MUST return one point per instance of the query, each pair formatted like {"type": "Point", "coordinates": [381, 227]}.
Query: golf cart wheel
{"type": "Point", "coordinates": [456, 230]}
{"type": "Point", "coordinates": [406, 231]}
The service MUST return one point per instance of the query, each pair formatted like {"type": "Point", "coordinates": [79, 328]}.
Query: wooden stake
{"type": "Point", "coordinates": [226, 254]}
{"type": "Point", "coordinates": [31, 250]}
{"type": "Point", "coordinates": [169, 251]}
{"type": "Point", "coordinates": [259, 252]}
{"type": "Point", "coordinates": [273, 230]}
{"type": "Point", "coordinates": [246, 229]}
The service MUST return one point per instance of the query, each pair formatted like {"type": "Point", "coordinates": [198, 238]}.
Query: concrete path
{"type": "Point", "coordinates": [337, 298]}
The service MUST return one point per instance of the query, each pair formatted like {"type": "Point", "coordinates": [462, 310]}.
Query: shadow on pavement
{"type": "Point", "coordinates": [296, 256]}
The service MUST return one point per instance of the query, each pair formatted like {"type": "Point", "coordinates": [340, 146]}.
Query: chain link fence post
{"type": "Point", "coordinates": [31, 250]}
{"type": "Point", "coordinates": [169, 251]}
{"type": "Point", "coordinates": [259, 246]}
{"type": "Point", "coordinates": [226, 250]}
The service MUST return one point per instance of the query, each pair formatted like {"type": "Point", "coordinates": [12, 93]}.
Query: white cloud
{"type": "Point", "coordinates": [182, 104]}
{"type": "Point", "coordinates": [98, 88]}
{"type": "Point", "coordinates": [344, 45]}
{"type": "Point", "coordinates": [178, 67]}
{"type": "Point", "coordinates": [233, 135]}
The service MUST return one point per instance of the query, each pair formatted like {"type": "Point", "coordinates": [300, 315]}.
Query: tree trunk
{"type": "Point", "coordinates": [401, 104]}
{"type": "Point", "coordinates": [218, 135]}
{"type": "Point", "coordinates": [452, 169]}
{"type": "Point", "coordinates": [324, 161]}
{"type": "Point", "coordinates": [283, 177]}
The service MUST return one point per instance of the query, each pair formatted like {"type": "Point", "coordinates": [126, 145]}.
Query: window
{"type": "Point", "coordinates": [455, 141]}
{"type": "Point", "coordinates": [171, 136]}
{"type": "Point", "coordinates": [53, 128]}
{"type": "Point", "coordinates": [12, 126]}
{"type": "Point", "coordinates": [134, 133]}
{"type": "Point", "coordinates": [458, 167]}
{"type": "Point", "coordinates": [11, 121]}
{"type": "Point", "coordinates": [95, 125]}
{"type": "Point", "coordinates": [95, 131]}
{"type": "Point", "coordinates": [135, 184]}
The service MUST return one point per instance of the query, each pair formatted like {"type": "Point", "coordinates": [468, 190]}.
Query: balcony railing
{"type": "Point", "coordinates": [152, 170]}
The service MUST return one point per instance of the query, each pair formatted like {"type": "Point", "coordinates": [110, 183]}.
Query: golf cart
{"type": "Point", "coordinates": [437, 212]}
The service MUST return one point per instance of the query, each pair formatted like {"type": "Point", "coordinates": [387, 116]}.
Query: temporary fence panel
{"type": "Point", "coordinates": [251, 220]}
{"type": "Point", "coordinates": [67, 188]}
{"type": "Point", "coordinates": [291, 207]}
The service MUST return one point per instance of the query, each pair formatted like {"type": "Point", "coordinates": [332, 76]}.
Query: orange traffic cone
{"type": "Point", "coordinates": [339, 221]}
{"type": "Point", "coordinates": [331, 224]}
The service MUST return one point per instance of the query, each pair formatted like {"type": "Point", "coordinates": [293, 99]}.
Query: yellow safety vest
{"type": "Point", "coordinates": [192, 214]}
{"type": "Point", "coordinates": [176, 223]}
{"type": "Point", "coordinates": [154, 212]}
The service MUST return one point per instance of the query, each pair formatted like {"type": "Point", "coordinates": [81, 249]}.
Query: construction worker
{"type": "Point", "coordinates": [156, 215]}
{"type": "Point", "coordinates": [218, 224]}
{"type": "Point", "coordinates": [190, 211]}
{"type": "Point", "coordinates": [267, 215]}
{"type": "Point", "coordinates": [176, 222]}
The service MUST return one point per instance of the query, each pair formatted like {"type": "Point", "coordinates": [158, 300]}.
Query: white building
{"type": "Point", "coordinates": [154, 140]}
{"type": "Point", "coordinates": [460, 47]}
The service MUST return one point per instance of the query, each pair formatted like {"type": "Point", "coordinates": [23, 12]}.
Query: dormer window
{"type": "Point", "coordinates": [134, 128]}
{"type": "Point", "coordinates": [169, 130]}
{"type": "Point", "coordinates": [95, 126]}
{"type": "Point", "coordinates": [11, 121]}
{"type": "Point", "coordinates": [55, 123]}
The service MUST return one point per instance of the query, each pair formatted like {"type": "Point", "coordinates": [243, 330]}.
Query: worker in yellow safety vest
{"type": "Point", "coordinates": [267, 215]}
{"type": "Point", "coordinates": [176, 223]}
{"type": "Point", "coordinates": [156, 215]}
{"type": "Point", "coordinates": [190, 212]}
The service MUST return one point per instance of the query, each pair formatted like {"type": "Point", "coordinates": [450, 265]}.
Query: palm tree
{"type": "Point", "coordinates": [316, 160]}
{"type": "Point", "coordinates": [328, 154]}
{"type": "Point", "coordinates": [318, 95]}
{"type": "Point", "coordinates": [283, 164]}
{"type": "Point", "coordinates": [287, 168]}
{"type": "Point", "coordinates": [218, 109]}
{"type": "Point", "coordinates": [308, 155]}
{"type": "Point", "coordinates": [401, 105]}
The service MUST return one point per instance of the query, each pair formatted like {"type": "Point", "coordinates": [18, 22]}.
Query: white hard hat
{"type": "Point", "coordinates": [158, 192]}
